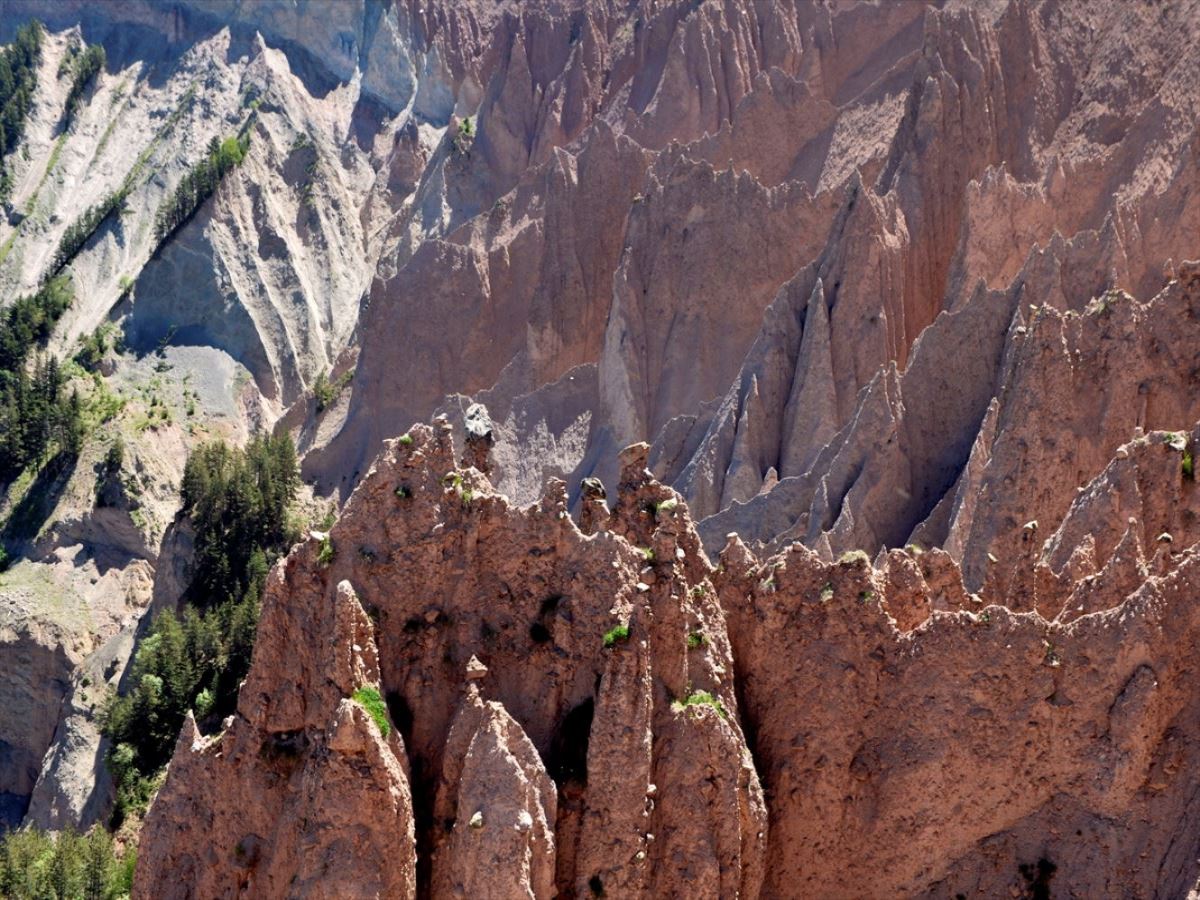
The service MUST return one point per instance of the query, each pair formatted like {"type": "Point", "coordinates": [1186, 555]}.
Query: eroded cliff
{"type": "Point", "coordinates": [593, 707]}
{"type": "Point", "coordinates": [861, 275]}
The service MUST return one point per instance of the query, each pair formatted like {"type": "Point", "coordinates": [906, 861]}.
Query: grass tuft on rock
{"type": "Point", "coordinates": [369, 699]}
{"type": "Point", "coordinates": [701, 698]}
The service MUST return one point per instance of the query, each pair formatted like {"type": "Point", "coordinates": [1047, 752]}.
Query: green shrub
{"type": "Point", "coordinates": [406, 439]}
{"type": "Point", "coordinates": [327, 553]}
{"type": "Point", "coordinates": [619, 634]}
{"type": "Point", "coordinates": [326, 392]}
{"type": "Point", "coordinates": [205, 701]}
{"type": "Point", "coordinates": [369, 699]}
{"type": "Point", "coordinates": [323, 392]}
{"type": "Point", "coordinates": [696, 639]}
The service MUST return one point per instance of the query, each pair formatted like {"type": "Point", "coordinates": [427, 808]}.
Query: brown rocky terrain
{"type": "Point", "coordinates": [778, 726]}
{"type": "Point", "coordinates": [854, 277]}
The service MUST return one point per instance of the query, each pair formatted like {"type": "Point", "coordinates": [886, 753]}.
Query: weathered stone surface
{"type": "Point", "coordinates": [302, 794]}
{"type": "Point", "coordinates": [865, 276]}
{"type": "Point", "coordinates": [459, 576]}
{"type": "Point", "coordinates": [650, 725]}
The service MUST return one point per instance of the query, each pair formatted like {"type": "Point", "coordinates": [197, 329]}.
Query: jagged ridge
{"type": "Point", "coordinates": [860, 728]}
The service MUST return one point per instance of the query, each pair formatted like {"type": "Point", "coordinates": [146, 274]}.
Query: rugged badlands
{"type": "Point", "coordinates": [895, 292]}
{"type": "Point", "coordinates": [593, 708]}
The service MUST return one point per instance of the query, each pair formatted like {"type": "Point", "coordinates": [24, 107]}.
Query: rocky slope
{"type": "Point", "coordinates": [738, 166]}
{"type": "Point", "coordinates": [860, 275]}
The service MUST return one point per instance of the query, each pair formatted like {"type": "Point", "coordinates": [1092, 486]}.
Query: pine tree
{"type": "Point", "coordinates": [64, 867]}
{"type": "Point", "coordinates": [98, 864]}
{"type": "Point", "coordinates": [238, 502]}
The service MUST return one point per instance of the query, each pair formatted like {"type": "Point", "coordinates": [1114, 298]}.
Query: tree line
{"type": "Point", "coordinates": [79, 231]}
{"type": "Point", "coordinates": [86, 66]}
{"type": "Point", "coordinates": [36, 866]}
{"type": "Point", "coordinates": [199, 184]}
{"type": "Point", "coordinates": [238, 502]}
{"type": "Point", "coordinates": [35, 411]}
{"type": "Point", "coordinates": [18, 79]}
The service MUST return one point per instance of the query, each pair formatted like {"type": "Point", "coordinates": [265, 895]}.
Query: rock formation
{"type": "Point", "coordinates": [537, 681]}
{"type": "Point", "coordinates": [896, 293]}
{"type": "Point", "coordinates": [597, 711]}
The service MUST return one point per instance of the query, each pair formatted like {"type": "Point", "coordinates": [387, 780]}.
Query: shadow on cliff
{"type": "Point", "coordinates": [39, 501]}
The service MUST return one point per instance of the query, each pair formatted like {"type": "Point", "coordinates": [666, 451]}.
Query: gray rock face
{"type": "Point", "coordinates": [220, 329]}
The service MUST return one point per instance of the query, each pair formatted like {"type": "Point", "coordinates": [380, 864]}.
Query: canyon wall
{"type": "Point", "coordinates": [859, 275]}
{"type": "Point", "coordinates": [593, 707]}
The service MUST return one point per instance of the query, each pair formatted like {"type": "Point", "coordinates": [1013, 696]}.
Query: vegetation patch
{"type": "Point", "coordinates": [85, 67]}
{"type": "Point", "coordinates": [667, 507]}
{"type": "Point", "coordinates": [38, 864]}
{"type": "Point", "coordinates": [18, 80]}
{"type": "Point", "coordinates": [327, 553]}
{"type": "Point", "coordinates": [617, 635]}
{"type": "Point", "coordinates": [700, 698]}
{"type": "Point", "coordinates": [1178, 440]}
{"type": "Point", "coordinates": [326, 392]}
{"type": "Point", "coordinates": [854, 558]}
{"type": "Point", "coordinates": [198, 185]}
{"type": "Point", "coordinates": [238, 502]}
{"type": "Point", "coordinates": [81, 230]}
{"type": "Point", "coordinates": [369, 699]}
{"type": "Point", "coordinates": [36, 415]}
